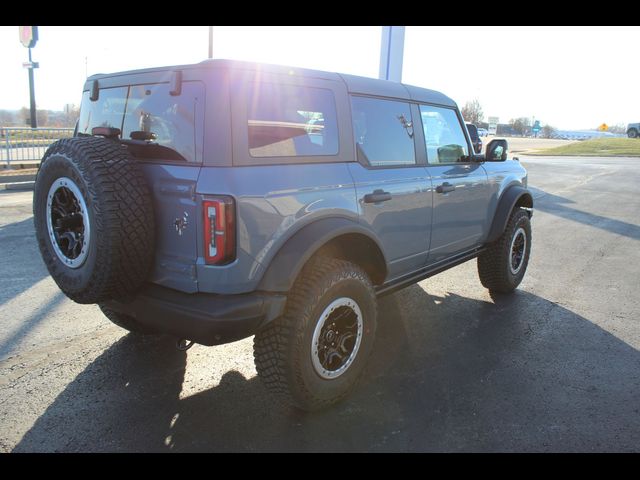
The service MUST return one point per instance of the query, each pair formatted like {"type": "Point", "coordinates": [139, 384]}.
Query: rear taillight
{"type": "Point", "coordinates": [219, 230]}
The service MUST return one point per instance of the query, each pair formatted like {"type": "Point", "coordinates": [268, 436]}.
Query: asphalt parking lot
{"type": "Point", "coordinates": [553, 367]}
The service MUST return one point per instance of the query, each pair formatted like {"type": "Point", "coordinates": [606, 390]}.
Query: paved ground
{"type": "Point", "coordinates": [554, 367]}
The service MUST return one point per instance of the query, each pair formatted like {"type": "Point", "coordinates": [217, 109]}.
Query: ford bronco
{"type": "Point", "coordinates": [226, 199]}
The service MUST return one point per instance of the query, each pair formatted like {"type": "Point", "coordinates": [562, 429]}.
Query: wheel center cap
{"type": "Point", "coordinates": [330, 336]}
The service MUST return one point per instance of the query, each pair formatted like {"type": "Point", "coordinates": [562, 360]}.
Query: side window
{"type": "Point", "coordinates": [291, 121]}
{"type": "Point", "coordinates": [383, 132]}
{"type": "Point", "coordinates": [443, 135]}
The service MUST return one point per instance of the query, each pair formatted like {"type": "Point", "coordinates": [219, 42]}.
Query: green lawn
{"type": "Point", "coordinates": [598, 147]}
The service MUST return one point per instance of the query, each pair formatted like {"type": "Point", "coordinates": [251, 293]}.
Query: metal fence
{"type": "Point", "coordinates": [28, 145]}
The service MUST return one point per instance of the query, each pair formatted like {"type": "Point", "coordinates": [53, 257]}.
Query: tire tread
{"type": "Point", "coordinates": [123, 220]}
{"type": "Point", "coordinates": [272, 344]}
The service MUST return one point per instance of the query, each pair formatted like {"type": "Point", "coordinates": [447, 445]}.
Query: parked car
{"type": "Point", "coordinates": [221, 200]}
{"type": "Point", "coordinates": [475, 138]}
{"type": "Point", "coordinates": [483, 132]}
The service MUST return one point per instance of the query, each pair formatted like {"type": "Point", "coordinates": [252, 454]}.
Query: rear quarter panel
{"type": "Point", "coordinates": [273, 202]}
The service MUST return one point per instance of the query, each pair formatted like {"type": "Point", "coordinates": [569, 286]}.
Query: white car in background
{"type": "Point", "coordinates": [483, 132]}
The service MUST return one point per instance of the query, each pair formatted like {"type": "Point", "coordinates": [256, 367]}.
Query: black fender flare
{"type": "Point", "coordinates": [287, 263]}
{"type": "Point", "coordinates": [508, 200]}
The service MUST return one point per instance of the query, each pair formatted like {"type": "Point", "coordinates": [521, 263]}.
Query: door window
{"type": "Point", "coordinates": [443, 135]}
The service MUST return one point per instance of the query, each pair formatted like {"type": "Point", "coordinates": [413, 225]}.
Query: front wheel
{"type": "Point", "coordinates": [632, 133]}
{"type": "Point", "coordinates": [313, 355]}
{"type": "Point", "coordinates": [502, 266]}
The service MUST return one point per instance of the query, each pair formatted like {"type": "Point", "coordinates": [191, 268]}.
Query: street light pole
{"type": "Point", "coordinates": [32, 94]}
{"type": "Point", "coordinates": [28, 38]}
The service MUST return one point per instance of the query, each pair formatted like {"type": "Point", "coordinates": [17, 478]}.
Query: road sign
{"type": "Point", "coordinates": [493, 125]}
{"type": "Point", "coordinates": [604, 127]}
{"type": "Point", "coordinates": [28, 36]}
{"type": "Point", "coordinates": [536, 127]}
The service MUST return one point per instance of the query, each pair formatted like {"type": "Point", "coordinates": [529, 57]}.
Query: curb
{"type": "Point", "coordinates": [17, 178]}
{"type": "Point", "coordinates": [18, 186]}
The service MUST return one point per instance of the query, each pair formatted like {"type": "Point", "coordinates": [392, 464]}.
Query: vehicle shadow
{"type": "Point", "coordinates": [450, 373]}
{"type": "Point", "coordinates": [560, 206]}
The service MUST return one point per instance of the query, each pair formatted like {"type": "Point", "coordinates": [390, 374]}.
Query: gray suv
{"type": "Point", "coordinates": [226, 199]}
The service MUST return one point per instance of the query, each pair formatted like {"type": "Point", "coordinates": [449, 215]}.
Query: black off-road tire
{"type": "Point", "coordinates": [283, 349]}
{"type": "Point", "coordinates": [494, 263]}
{"type": "Point", "coordinates": [632, 133]}
{"type": "Point", "coordinates": [125, 321]}
{"type": "Point", "coordinates": [120, 248]}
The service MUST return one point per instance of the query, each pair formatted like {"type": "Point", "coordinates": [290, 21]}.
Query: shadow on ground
{"type": "Point", "coordinates": [519, 373]}
{"type": "Point", "coordinates": [562, 207]}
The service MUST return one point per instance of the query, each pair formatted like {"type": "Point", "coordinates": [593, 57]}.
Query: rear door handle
{"type": "Point", "coordinates": [446, 187]}
{"type": "Point", "coordinates": [377, 196]}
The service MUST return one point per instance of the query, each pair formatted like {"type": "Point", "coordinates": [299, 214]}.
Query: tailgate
{"type": "Point", "coordinates": [176, 215]}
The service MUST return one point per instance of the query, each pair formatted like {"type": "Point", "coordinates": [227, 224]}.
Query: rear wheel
{"type": "Point", "coordinates": [313, 355]}
{"type": "Point", "coordinates": [503, 265]}
{"type": "Point", "coordinates": [632, 133]}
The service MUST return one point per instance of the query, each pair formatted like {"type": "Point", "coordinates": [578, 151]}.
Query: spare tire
{"type": "Point", "coordinates": [94, 219]}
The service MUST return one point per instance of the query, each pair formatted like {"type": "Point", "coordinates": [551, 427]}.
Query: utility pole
{"type": "Point", "coordinates": [28, 38]}
{"type": "Point", "coordinates": [391, 53]}
{"type": "Point", "coordinates": [210, 42]}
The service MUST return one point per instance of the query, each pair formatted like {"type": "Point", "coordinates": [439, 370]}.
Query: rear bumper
{"type": "Point", "coordinates": [205, 318]}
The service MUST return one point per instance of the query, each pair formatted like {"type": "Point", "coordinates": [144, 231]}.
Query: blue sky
{"type": "Point", "coordinates": [570, 77]}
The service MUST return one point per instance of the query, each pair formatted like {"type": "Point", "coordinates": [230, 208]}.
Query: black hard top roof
{"type": "Point", "coordinates": [354, 83]}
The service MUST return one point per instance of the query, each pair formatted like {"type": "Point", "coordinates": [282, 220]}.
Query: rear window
{"type": "Point", "coordinates": [154, 123]}
{"type": "Point", "coordinates": [291, 121]}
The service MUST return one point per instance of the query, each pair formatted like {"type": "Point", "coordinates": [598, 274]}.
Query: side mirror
{"type": "Point", "coordinates": [497, 150]}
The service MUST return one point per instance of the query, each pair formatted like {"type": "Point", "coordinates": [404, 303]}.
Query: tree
{"type": "Point", "coordinates": [521, 125]}
{"type": "Point", "coordinates": [618, 128]}
{"type": "Point", "coordinates": [42, 116]}
{"type": "Point", "coordinates": [548, 131]}
{"type": "Point", "coordinates": [472, 112]}
{"type": "Point", "coordinates": [71, 114]}
{"type": "Point", "coordinates": [7, 118]}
